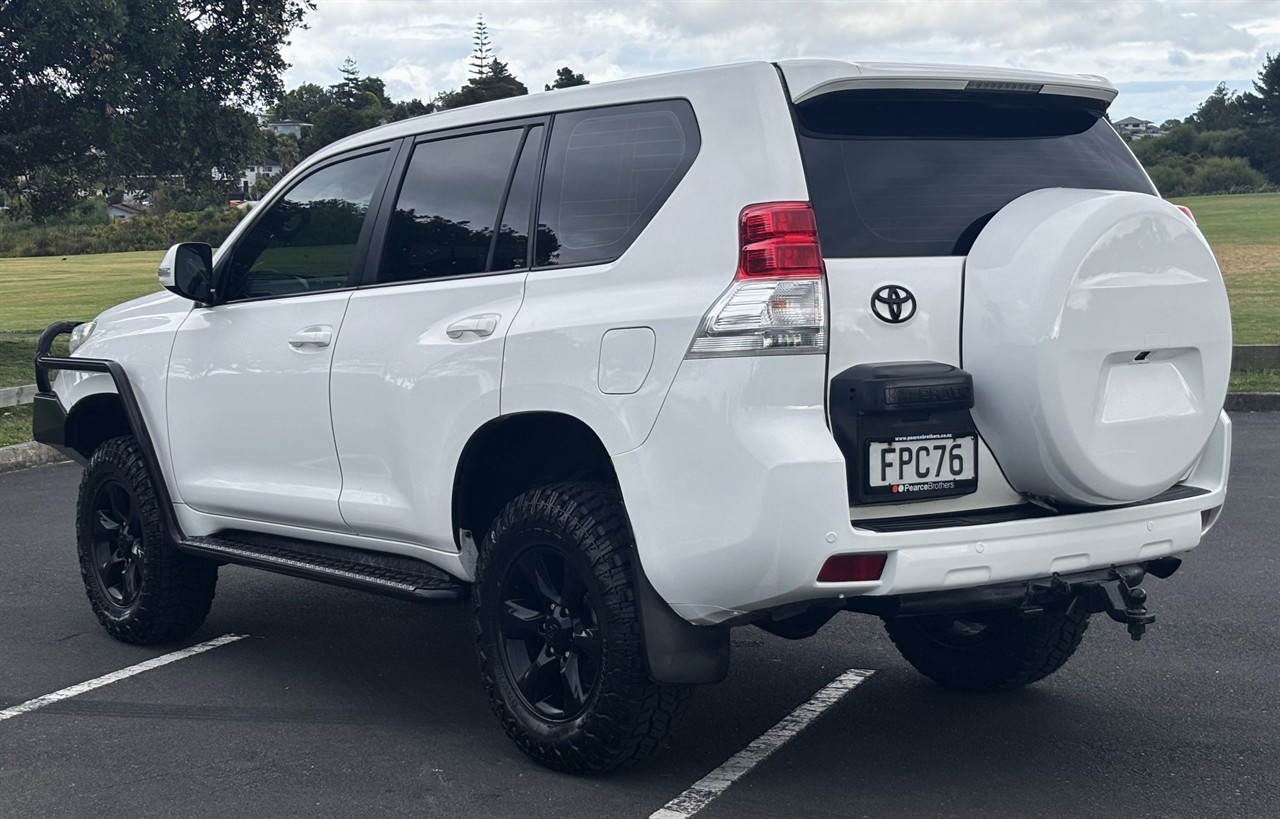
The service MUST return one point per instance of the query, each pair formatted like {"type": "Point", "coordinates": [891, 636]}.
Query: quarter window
{"type": "Point", "coordinates": [307, 240]}
{"type": "Point", "coordinates": [443, 222]}
{"type": "Point", "coordinates": [609, 170]}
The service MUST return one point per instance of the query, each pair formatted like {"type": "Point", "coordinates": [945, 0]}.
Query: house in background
{"type": "Point", "coordinates": [251, 175]}
{"type": "Point", "coordinates": [1137, 128]}
{"type": "Point", "coordinates": [125, 211]}
{"type": "Point", "coordinates": [290, 127]}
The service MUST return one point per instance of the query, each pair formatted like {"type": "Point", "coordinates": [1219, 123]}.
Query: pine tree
{"type": "Point", "coordinates": [482, 55]}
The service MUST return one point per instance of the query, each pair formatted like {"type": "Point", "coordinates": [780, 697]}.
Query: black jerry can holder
{"type": "Point", "coordinates": [913, 407]}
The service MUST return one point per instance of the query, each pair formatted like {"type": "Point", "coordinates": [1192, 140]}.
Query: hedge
{"type": "Point", "coordinates": [139, 233]}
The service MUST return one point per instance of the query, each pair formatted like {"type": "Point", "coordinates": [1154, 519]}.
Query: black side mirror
{"type": "Point", "coordinates": [187, 269]}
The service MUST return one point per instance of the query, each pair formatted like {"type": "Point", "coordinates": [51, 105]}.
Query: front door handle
{"type": "Point", "coordinates": [319, 335]}
{"type": "Point", "coordinates": [480, 325]}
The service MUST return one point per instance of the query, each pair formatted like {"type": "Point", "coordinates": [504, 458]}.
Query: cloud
{"type": "Point", "coordinates": [421, 49]}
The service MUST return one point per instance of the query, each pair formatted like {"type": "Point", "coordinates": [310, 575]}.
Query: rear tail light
{"type": "Point", "coordinates": [1188, 212]}
{"type": "Point", "coordinates": [779, 239]}
{"type": "Point", "coordinates": [778, 301]}
{"type": "Point", "coordinates": [852, 568]}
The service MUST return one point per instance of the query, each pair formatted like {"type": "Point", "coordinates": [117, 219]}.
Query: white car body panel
{"type": "Point", "coordinates": [568, 311]}
{"type": "Point", "coordinates": [234, 370]}
{"type": "Point", "coordinates": [747, 437]}
{"type": "Point", "coordinates": [139, 334]}
{"type": "Point", "coordinates": [397, 368]}
{"type": "Point", "coordinates": [932, 334]}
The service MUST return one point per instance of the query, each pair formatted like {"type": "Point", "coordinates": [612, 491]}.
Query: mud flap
{"type": "Point", "coordinates": [678, 652]}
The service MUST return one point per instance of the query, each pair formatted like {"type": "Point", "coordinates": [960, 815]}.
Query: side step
{"type": "Point", "coordinates": [340, 565]}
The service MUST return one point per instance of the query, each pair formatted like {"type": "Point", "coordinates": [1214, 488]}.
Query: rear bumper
{"type": "Point", "coordinates": [738, 498]}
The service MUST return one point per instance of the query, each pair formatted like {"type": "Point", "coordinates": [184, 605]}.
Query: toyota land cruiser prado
{"type": "Point", "coordinates": [633, 364]}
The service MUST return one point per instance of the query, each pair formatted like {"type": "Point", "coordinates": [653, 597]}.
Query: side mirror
{"type": "Point", "coordinates": [187, 269]}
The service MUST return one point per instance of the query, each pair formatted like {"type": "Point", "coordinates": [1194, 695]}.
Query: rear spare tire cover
{"type": "Point", "coordinates": [1097, 331]}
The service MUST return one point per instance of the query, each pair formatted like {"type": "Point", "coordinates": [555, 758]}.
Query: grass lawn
{"type": "Point", "coordinates": [15, 425]}
{"type": "Point", "coordinates": [37, 291]}
{"type": "Point", "coordinates": [1259, 381]}
{"type": "Point", "coordinates": [1245, 234]}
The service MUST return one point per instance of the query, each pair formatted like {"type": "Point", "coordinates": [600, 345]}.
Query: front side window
{"type": "Point", "coordinates": [609, 170]}
{"type": "Point", "coordinates": [307, 241]}
{"type": "Point", "coordinates": [444, 217]}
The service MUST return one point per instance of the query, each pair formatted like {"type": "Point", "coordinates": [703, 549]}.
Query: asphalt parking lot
{"type": "Point", "coordinates": [342, 704]}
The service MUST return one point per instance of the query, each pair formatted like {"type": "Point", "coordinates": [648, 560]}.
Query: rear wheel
{"type": "Point", "coordinates": [142, 589]}
{"type": "Point", "coordinates": [558, 633]}
{"type": "Point", "coordinates": [985, 651]}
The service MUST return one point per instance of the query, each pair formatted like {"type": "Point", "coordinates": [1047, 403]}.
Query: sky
{"type": "Point", "coordinates": [1165, 56]}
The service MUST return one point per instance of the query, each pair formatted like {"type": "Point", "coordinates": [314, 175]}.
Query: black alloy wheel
{"type": "Point", "coordinates": [550, 633]}
{"type": "Point", "coordinates": [117, 542]}
{"type": "Point", "coordinates": [142, 589]}
{"type": "Point", "coordinates": [558, 632]}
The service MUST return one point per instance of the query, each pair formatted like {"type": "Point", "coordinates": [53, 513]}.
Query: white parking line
{"type": "Point", "coordinates": [714, 783]}
{"type": "Point", "coordinates": [116, 676]}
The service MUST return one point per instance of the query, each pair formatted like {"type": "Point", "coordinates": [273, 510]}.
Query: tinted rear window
{"type": "Point", "coordinates": [920, 174]}
{"type": "Point", "coordinates": [609, 170]}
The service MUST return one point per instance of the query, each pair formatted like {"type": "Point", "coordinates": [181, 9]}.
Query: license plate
{"type": "Point", "coordinates": [924, 465]}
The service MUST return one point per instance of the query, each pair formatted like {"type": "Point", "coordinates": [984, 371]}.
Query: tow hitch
{"type": "Point", "coordinates": [1122, 603]}
{"type": "Point", "coordinates": [1113, 591]}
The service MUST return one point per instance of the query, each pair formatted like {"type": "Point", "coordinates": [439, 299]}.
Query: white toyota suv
{"type": "Point", "coordinates": [634, 364]}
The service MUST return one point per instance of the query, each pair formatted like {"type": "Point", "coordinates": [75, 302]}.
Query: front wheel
{"type": "Point", "coordinates": [142, 589]}
{"type": "Point", "coordinates": [986, 651]}
{"type": "Point", "coordinates": [558, 632]}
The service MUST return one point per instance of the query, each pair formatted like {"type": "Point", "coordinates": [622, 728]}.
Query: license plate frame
{"type": "Point", "coordinates": [917, 467]}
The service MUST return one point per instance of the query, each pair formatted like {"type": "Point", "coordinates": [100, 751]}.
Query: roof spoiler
{"type": "Point", "coordinates": [807, 79]}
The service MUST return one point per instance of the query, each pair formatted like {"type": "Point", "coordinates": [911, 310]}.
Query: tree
{"type": "Point", "coordinates": [565, 78]}
{"type": "Point", "coordinates": [1264, 105]}
{"type": "Point", "coordinates": [482, 56]}
{"type": "Point", "coordinates": [410, 108]}
{"type": "Point", "coordinates": [358, 93]}
{"type": "Point", "coordinates": [126, 88]}
{"type": "Point", "coordinates": [1221, 111]}
{"type": "Point", "coordinates": [490, 80]}
{"type": "Point", "coordinates": [302, 103]}
{"type": "Point", "coordinates": [1263, 121]}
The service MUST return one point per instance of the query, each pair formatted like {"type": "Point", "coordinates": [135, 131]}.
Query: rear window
{"type": "Point", "coordinates": [921, 173]}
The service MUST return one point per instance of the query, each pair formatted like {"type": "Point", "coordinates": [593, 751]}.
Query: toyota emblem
{"type": "Point", "coordinates": [893, 303]}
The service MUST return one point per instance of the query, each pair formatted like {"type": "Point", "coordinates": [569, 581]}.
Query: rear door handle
{"type": "Point", "coordinates": [480, 325]}
{"type": "Point", "coordinates": [316, 336]}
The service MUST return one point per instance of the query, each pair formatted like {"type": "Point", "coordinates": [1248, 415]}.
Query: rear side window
{"type": "Point", "coordinates": [921, 173]}
{"type": "Point", "coordinates": [448, 205]}
{"type": "Point", "coordinates": [609, 170]}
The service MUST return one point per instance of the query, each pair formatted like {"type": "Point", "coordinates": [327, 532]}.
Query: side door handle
{"type": "Point", "coordinates": [480, 325]}
{"type": "Point", "coordinates": [319, 335]}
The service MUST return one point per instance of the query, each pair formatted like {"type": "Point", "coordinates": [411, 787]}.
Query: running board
{"type": "Point", "coordinates": [340, 565]}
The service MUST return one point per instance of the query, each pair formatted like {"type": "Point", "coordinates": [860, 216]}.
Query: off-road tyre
{"type": "Point", "coordinates": [1005, 650]}
{"type": "Point", "coordinates": [170, 592]}
{"type": "Point", "coordinates": [626, 715]}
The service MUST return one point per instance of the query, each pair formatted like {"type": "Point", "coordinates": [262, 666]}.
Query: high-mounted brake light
{"type": "Point", "coordinates": [779, 239]}
{"type": "Point", "coordinates": [1188, 212]}
{"type": "Point", "coordinates": [778, 301]}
